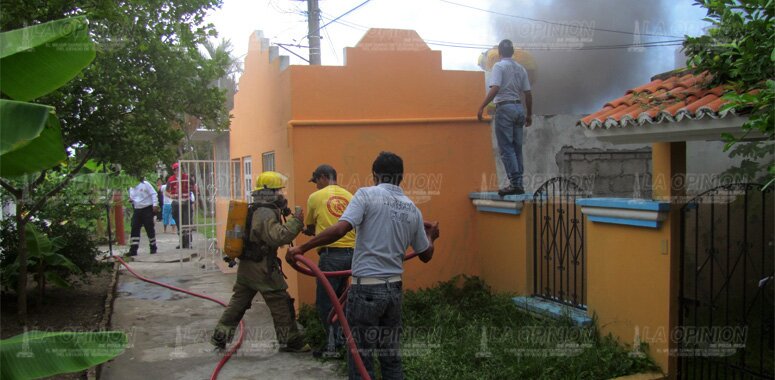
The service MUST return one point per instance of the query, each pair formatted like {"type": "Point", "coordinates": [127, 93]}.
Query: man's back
{"type": "Point", "coordinates": [512, 79]}
{"type": "Point", "coordinates": [387, 222]}
{"type": "Point", "coordinates": [325, 207]}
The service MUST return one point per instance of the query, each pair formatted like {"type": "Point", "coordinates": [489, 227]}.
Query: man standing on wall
{"type": "Point", "coordinates": [507, 81]}
{"type": "Point", "coordinates": [177, 187]}
{"type": "Point", "coordinates": [324, 208]}
{"type": "Point", "coordinates": [387, 222]}
{"type": "Point", "coordinates": [144, 204]}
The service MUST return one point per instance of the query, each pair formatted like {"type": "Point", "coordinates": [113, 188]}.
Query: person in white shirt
{"type": "Point", "coordinates": [145, 203]}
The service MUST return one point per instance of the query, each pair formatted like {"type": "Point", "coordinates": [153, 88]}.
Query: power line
{"type": "Point", "coordinates": [331, 43]}
{"type": "Point", "coordinates": [465, 45]}
{"type": "Point", "coordinates": [291, 51]}
{"type": "Point", "coordinates": [594, 47]}
{"type": "Point", "coordinates": [337, 18]}
{"type": "Point", "coordinates": [558, 23]}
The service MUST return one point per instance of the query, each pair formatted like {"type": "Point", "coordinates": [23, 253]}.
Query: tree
{"type": "Point", "coordinates": [739, 51]}
{"type": "Point", "coordinates": [128, 106]}
{"type": "Point", "coordinates": [32, 139]}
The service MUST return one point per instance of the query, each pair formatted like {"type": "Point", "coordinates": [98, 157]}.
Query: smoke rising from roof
{"type": "Point", "coordinates": [572, 76]}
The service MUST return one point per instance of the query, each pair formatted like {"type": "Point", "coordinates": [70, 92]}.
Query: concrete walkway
{"type": "Point", "coordinates": [169, 332]}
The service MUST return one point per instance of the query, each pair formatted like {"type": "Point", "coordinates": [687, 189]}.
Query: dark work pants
{"type": "Point", "coordinates": [264, 277]}
{"type": "Point", "coordinates": [142, 217]}
{"type": "Point", "coordinates": [332, 259]}
{"type": "Point", "coordinates": [374, 314]}
{"type": "Point", "coordinates": [182, 210]}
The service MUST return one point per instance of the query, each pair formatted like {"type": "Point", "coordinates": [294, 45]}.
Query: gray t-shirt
{"type": "Point", "coordinates": [512, 79]}
{"type": "Point", "coordinates": [386, 224]}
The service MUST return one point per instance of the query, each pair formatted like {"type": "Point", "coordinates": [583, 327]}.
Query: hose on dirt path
{"type": "Point", "coordinates": [309, 268]}
{"type": "Point", "coordinates": [233, 348]}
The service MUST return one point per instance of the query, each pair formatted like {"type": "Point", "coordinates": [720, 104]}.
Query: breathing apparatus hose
{"type": "Point", "coordinates": [233, 348]}
{"type": "Point", "coordinates": [309, 268]}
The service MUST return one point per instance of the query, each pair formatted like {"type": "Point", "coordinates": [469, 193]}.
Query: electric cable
{"type": "Point", "coordinates": [465, 45]}
{"type": "Point", "coordinates": [558, 23]}
{"type": "Point", "coordinates": [335, 19]}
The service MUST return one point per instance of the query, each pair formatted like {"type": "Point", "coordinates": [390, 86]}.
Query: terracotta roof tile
{"type": "Point", "coordinates": [681, 96]}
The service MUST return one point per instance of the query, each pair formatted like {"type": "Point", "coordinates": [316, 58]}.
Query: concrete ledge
{"type": "Point", "coordinates": [492, 202]}
{"type": "Point", "coordinates": [545, 308]}
{"type": "Point", "coordinates": [625, 211]}
{"type": "Point", "coordinates": [643, 376]}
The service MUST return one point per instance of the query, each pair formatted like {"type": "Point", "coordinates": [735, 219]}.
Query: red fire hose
{"type": "Point", "coordinates": [311, 269]}
{"type": "Point", "coordinates": [233, 348]}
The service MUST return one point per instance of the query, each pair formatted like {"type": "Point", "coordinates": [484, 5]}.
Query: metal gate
{"type": "Point", "coordinates": [559, 262]}
{"type": "Point", "coordinates": [210, 184]}
{"type": "Point", "coordinates": [726, 294]}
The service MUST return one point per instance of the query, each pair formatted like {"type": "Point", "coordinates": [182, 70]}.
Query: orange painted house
{"type": "Point", "coordinates": [391, 95]}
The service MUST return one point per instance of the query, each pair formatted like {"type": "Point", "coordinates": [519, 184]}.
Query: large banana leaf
{"type": "Point", "coordinates": [21, 123]}
{"type": "Point", "coordinates": [42, 152]}
{"type": "Point", "coordinates": [37, 354]}
{"type": "Point", "coordinates": [38, 243]}
{"type": "Point", "coordinates": [41, 58]}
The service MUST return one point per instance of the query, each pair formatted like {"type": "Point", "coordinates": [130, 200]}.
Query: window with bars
{"type": "Point", "coordinates": [267, 162]}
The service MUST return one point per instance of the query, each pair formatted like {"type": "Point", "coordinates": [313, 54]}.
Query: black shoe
{"type": "Point", "coordinates": [153, 250]}
{"type": "Point", "coordinates": [177, 247]}
{"type": "Point", "coordinates": [511, 190]}
{"type": "Point", "coordinates": [130, 253]}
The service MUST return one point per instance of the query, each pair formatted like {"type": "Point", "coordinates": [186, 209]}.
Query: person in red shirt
{"type": "Point", "coordinates": [181, 207]}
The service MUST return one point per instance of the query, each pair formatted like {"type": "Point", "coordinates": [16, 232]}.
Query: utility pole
{"type": "Point", "coordinates": [313, 21]}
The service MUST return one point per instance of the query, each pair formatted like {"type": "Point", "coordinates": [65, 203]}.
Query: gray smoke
{"type": "Point", "coordinates": [579, 81]}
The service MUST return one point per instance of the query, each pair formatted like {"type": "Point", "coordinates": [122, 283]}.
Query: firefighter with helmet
{"type": "Point", "coordinates": [259, 268]}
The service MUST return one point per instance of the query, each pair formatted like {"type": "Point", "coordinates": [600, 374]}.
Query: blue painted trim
{"type": "Point", "coordinates": [500, 210]}
{"type": "Point", "coordinates": [493, 196]}
{"type": "Point", "coordinates": [628, 222]}
{"type": "Point", "coordinates": [551, 309]}
{"type": "Point", "coordinates": [624, 203]}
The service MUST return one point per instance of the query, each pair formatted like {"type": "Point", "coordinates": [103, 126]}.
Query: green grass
{"type": "Point", "coordinates": [460, 329]}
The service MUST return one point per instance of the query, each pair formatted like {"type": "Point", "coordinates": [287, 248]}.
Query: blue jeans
{"type": "Point", "coordinates": [509, 120]}
{"type": "Point", "coordinates": [374, 314]}
{"type": "Point", "coordinates": [332, 259]}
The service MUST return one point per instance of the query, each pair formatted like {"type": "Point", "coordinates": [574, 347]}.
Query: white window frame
{"type": "Point", "coordinates": [247, 170]}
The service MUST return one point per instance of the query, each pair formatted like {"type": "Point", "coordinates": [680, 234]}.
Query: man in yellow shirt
{"type": "Point", "coordinates": [325, 206]}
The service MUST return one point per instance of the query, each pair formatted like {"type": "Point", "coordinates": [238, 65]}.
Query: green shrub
{"type": "Point", "coordinates": [75, 244]}
{"type": "Point", "coordinates": [461, 329]}
{"type": "Point", "coordinates": [314, 334]}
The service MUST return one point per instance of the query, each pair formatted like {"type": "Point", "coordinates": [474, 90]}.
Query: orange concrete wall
{"type": "Point", "coordinates": [260, 115]}
{"type": "Point", "coordinates": [505, 251]}
{"type": "Point", "coordinates": [629, 283]}
{"type": "Point", "coordinates": [438, 178]}
{"type": "Point", "coordinates": [393, 88]}
{"type": "Point", "coordinates": [384, 87]}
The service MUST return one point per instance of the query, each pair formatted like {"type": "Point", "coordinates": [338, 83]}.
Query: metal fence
{"type": "Point", "coordinates": [726, 295]}
{"type": "Point", "coordinates": [559, 261]}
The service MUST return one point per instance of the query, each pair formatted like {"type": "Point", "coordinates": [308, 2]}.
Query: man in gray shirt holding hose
{"type": "Point", "coordinates": [387, 222]}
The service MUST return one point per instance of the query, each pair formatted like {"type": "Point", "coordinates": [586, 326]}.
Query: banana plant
{"type": "Point", "coordinates": [37, 354]}
{"type": "Point", "coordinates": [43, 260]}
{"type": "Point", "coordinates": [35, 61]}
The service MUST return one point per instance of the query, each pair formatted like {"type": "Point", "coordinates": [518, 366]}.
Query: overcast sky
{"type": "Point", "coordinates": [535, 24]}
